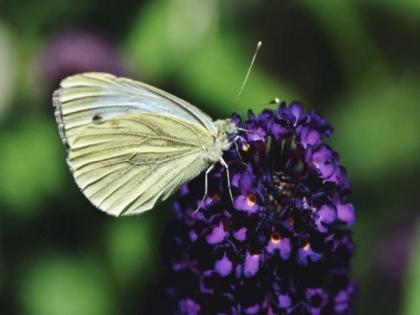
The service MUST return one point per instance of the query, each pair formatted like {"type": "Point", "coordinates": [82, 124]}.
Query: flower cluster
{"type": "Point", "coordinates": [283, 245]}
{"type": "Point", "coordinates": [76, 51]}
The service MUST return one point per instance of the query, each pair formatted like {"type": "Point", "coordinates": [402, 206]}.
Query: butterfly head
{"type": "Point", "coordinates": [226, 133]}
{"type": "Point", "coordinates": [230, 128]}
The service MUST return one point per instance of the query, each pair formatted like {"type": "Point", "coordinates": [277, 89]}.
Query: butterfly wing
{"type": "Point", "coordinates": [85, 97]}
{"type": "Point", "coordinates": [129, 144]}
{"type": "Point", "coordinates": [128, 163]}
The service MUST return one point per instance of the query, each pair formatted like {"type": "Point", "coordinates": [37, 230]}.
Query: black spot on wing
{"type": "Point", "coordinates": [96, 118]}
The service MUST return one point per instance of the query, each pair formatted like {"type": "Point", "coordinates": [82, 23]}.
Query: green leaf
{"type": "Point", "coordinates": [166, 32]}
{"type": "Point", "coordinates": [410, 8]}
{"type": "Point", "coordinates": [344, 26]}
{"type": "Point", "coordinates": [62, 286]}
{"type": "Point", "coordinates": [131, 247]}
{"type": "Point", "coordinates": [377, 128]}
{"type": "Point", "coordinates": [32, 163]}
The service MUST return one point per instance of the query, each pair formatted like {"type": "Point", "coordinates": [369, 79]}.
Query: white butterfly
{"type": "Point", "coordinates": [131, 145]}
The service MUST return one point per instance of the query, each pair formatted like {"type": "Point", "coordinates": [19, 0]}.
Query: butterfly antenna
{"type": "Point", "coordinates": [249, 71]}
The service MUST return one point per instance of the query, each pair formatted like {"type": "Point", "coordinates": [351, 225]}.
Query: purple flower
{"type": "Point", "coordinates": [326, 214]}
{"type": "Point", "coordinates": [284, 301]}
{"type": "Point", "coordinates": [240, 235]}
{"type": "Point", "coordinates": [78, 51]}
{"type": "Point", "coordinates": [346, 213]}
{"type": "Point", "coordinates": [308, 137]}
{"type": "Point", "coordinates": [189, 307]}
{"type": "Point", "coordinates": [247, 203]}
{"type": "Point", "coordinates": [280, 245]}
{"type": "Point", "coordinates": [307, 255]}
{"type": "Point", "coordinates": [296, 110]}
{"type": "Point", "coordinates": [217, 234]}
{"type": "Point", "coordinates": [283, 246]}
{"type": "Point", "coordinates": [252, 309]}
{"type": "Point", "coordinates": [316, 300]}
{"type": "Point", "coordinates": [322, 160]}
{"type": "Point", "coordinates": [342, 300]}
{"type": "Point", "coordinates": [251, 264]}
{"type": "Point", "coordinates": [223, 266]}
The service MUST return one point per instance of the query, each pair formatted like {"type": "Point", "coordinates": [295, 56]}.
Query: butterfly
{"type": "Point", "coordinates": [131, 145]}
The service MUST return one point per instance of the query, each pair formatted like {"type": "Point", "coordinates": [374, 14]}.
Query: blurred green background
{"type": "Point", "coordinates": [356, 62]}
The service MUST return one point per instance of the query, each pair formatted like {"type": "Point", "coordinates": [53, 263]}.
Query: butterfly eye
{"type": "Point", "coordinates": [231, 128]}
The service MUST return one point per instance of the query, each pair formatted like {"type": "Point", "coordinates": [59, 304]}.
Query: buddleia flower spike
{"type": "Point", "coordinates": [284, 246]}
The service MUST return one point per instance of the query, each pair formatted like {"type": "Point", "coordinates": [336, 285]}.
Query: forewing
{"type": "Point", "coordinates": [86, 97]}
{"type": "Point", "coordinates": [126, 164]}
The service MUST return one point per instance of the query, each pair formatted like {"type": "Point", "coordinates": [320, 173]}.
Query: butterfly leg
{"type": "Point", "coordinates": [206, 187]}
{"type": "Point", "coordinates": [235, 142]}
{"type": "Point", "coordinates": [223, 162]}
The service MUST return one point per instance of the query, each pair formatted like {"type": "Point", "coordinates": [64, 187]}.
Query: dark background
{"type": "Point", "coordinates": [356, 62]}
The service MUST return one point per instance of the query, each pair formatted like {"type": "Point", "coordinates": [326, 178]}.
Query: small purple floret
{"type": "Point", "coordinates": [223, 266]}
{"type": "Point", "coordinates": [346, 213]}
{"type": "Point", "coordinates": [307, 255]}
{"type": "Point", "coordinates": [217, 235]}
{"type": "Point", "coordinates": [251, 265]}
{"type": "Point", "coordinates": [282, 246]}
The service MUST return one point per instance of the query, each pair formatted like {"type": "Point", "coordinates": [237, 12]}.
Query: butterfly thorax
{"type": "Point", "coordinates": [226, 132]}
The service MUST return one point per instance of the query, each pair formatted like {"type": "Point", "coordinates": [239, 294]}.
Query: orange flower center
{"type": "Point", "coordinates": [275, 238]}
{"type": "Point", "coordinates": [251, 200]}
{"type": "Point", "coordinates": [215, 196]}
